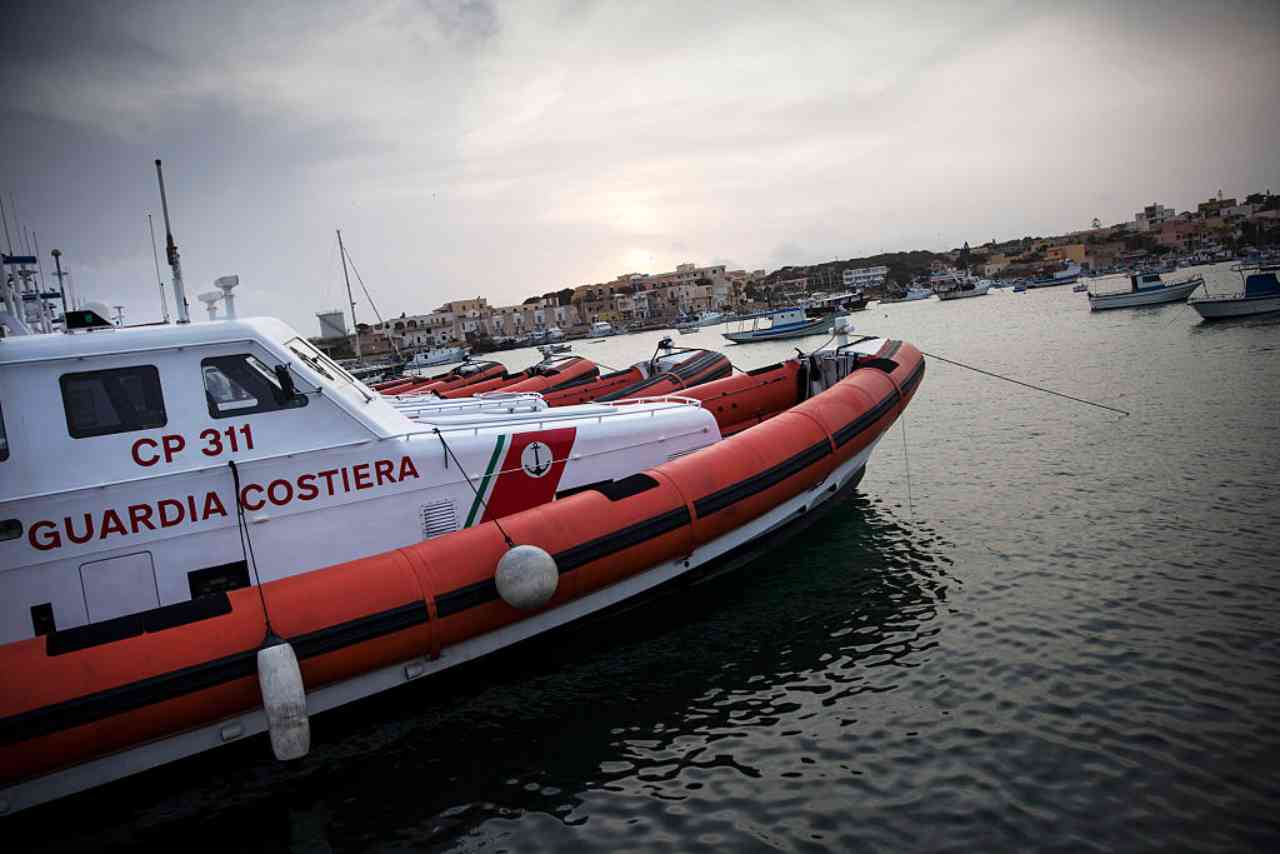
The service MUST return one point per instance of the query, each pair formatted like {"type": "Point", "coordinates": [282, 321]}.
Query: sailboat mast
{"type": "Point", "coordinates": [342, 252]}
{"type": "Point", "coordinates": [155, 257]}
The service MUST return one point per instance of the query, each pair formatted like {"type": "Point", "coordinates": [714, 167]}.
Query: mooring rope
{"type": "Point", "coordinates": [479, 497]}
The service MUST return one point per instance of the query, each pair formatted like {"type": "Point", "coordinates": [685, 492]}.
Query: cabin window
{"type": "Point", "coordinates": [241, 385]}
{"type": "Point", "coordinates": [120, 400]}
{"type": "Point", "coordinates": [4, 439]}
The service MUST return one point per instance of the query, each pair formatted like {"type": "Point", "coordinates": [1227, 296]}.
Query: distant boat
{"type": "Point", "coordinates": [436, 356]}
{"type": "Point", "coordinates": [1145, 289]}
{"type": "Point", "coordinates": [707, 318]}
{"type": "Point", "coordinates": [962, 288]}
{"type": "Point", "coordinates": [1080, 288]}
{"type": "Point", "coordinates": [602, 328]}
{"type": "Point", "coordinates": [1067, 276]}
{"type": "Point", "coordinates": [779, 324]}
{"type": "Point", "coordinates": [910, 295]}
{"type": "Point", "coordinates": [1261, 295]}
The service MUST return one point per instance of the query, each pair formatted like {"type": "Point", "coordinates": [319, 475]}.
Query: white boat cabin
{"type": "Point", "coordinates": [118, 494]}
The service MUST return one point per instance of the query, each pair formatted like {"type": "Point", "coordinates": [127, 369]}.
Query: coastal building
{"type": "Point", "coordinates": [1179, 235]}
{"type": "Point", "coordinates": [853, 278]}
{"type": "Point", "coordinates": [1074, 252]}
{"type": "Point", "coordinates": [1152, 217]}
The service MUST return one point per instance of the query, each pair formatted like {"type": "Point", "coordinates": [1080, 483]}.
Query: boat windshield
{"type": "Point", "coordinates": [319, 362]}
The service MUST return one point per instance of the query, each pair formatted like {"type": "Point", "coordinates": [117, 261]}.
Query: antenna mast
{"type": "Point", "coordinates": [171, 250]}
{"type": "Point", "coordinates": [343, 252]}
{"type": "Point", "coordinates": [155, 256]}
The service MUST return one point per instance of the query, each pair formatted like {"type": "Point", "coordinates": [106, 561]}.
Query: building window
{"type": "Point", "coordinates": [99, 403]}
{"type": "Point", "coordinates": [241, 385]}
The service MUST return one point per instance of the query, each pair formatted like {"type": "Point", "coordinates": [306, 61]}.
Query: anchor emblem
{"type": "Point", "coordinates": [536, 459]}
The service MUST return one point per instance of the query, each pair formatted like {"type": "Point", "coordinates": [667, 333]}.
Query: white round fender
{"type": "Point", "coordinates": [527, 577]}
{"type": "Point", "coordinates": [285, 700]}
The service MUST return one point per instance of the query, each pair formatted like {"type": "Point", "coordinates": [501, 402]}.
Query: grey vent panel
{"type": "Point", "coordinates": [437, 519]}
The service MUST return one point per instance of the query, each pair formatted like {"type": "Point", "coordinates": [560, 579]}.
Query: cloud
{"type": "Point", "coordinates": [512, 149]}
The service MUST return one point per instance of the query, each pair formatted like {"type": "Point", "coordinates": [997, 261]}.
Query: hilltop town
{"type": "Point", "coordinates": [1220, 228]}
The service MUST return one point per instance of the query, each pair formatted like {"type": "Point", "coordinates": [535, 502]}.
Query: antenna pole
{"type": "Point", "coordinates": [343, 252]}
{"type": "Point", "coordinates": [155, 257]}
{"type": "Point", "coordinates": [57, 262]}
{"type": "Point", "coordinates": [171, 250]}
{"type": "Point", "coordinates": [4, 217]}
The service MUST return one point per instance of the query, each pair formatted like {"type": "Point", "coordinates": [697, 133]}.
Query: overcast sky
{"type": "Point", "coordinates": [503, 150]}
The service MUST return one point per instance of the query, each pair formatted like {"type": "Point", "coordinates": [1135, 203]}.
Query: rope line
{"type": "Point", "coordinates": [479, 497]}
{"type": "Point", "coordinates": [1027, 385]}
{"type": "Point", "coordinates": [249, 557]}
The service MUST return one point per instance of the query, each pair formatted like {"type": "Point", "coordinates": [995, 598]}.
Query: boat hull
{"type": "Point", "coordinates": [979, 291]}
{"type": "Point", "coordinates": [1153, 296]}
{"type": "Point", "coordinates": [1217, 309]}
{"type": "Point", "coordinates": [811, 328]}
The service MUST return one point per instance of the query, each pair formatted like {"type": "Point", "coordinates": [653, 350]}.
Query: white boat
{"type": "Point", "coordinates": [706, 318]}
{"type": "Point", "coordinates": [436, 356]}
{"type": "Point", "coordinates": [601, 329]}
{"type": "Point", "coordinates": [1145, 289]}
{"type": "Point", "coordinates": [1068, 275]}
{"type": "Point", "coordinates": [962, 287]}
{"type": "Point", "coordinates": [1260, 294]}
{"type": "Point", "coordinates": [910, 295]}
{"type": "Point", "coordinates": [778, 324]}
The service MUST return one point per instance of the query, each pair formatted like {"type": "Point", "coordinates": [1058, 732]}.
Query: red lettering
{"type": "Point", "coordinates": [244, 498]}
{"type": "Point", "coordinates": [191, 505]}
{"type": "Point", "coordinates": [44, 541]}
{"type": "Point", "coordinates": [214, 438]}
{"type": "Point", "coordinates": [111, 524]}
{"type": "Point", "coordinates": [172, 445]}
{"type": "Point", "coordinates": [382, 470]}
{"type": "Point", "coordinates": [288, 492]}
{"type": "Point", "coordinates": [307, 489]}
{"type": "Point", "coordinates": [407, 468]}
{"type": "Point", "coordinates": [328, 478]}
{"type": "Point", "coordinates": [140, 516]}
{"type": "Point", "coordinates": [346, 483]}
{"type": "Point", "coordinates": [136, 450]}
{"type": "Point", "coordinates": [213, 506]}
{"type": "Point", "coordinates": [361, 475]}
{"type": "Point", "coordinates": [166, 520]}
{"type": "Point", "coordinates": [79, 539]}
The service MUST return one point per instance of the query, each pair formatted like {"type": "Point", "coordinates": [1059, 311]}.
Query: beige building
{"type": "Point", "coordinates": [1074, 252]}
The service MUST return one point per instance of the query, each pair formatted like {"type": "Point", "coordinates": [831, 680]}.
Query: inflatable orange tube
{"type": "Point", "coordinates": [566, 373]}
{"type": "Point", "coordinates": [602, 385]}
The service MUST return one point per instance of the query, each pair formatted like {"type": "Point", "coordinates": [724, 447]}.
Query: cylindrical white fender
{"type": "Point", "coordinates": [285, 700]}
{"type": "Point", "coordinates": [527, 577]}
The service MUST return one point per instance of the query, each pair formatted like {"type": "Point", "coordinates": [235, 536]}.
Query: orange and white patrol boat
{"type": "Point", "coordinates": [211, 531]}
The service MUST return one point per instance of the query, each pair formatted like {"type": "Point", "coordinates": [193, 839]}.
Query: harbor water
{"type": "Point", "coordinates": [1037, 625]}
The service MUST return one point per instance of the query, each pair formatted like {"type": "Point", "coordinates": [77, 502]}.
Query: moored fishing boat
{"type": "Point", "coordinates": [963, 288]}
{"type": "Point", "coordinates": [434, 356]}
{"type": "Point", "coordinates": [175, 583]}
{"type": "Point", "coordinates": [1260, 294]}
{"type": "Point", "coordinates": [778, 324]}
{"type": "Point", "coordinates": [1145, 289]}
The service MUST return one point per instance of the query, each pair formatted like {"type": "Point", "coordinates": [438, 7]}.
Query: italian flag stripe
{"type": "Point", "coordinates": [477, 505]}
